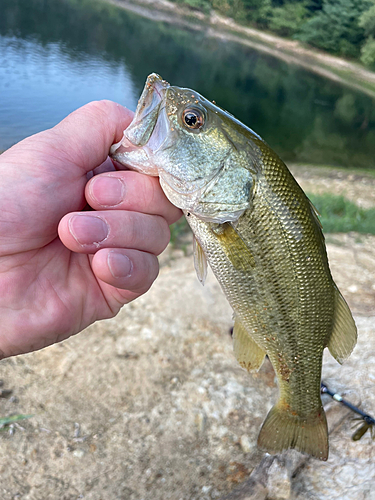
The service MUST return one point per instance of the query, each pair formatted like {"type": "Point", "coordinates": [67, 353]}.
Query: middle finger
{"type": "Point", "coordinates": [87, 232]}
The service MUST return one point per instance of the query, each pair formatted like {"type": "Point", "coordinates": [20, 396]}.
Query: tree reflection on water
{"type": "Point", "coordinates": [304, 117]}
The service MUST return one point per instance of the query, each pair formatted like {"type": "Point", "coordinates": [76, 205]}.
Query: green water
{"type": "Point", "coordinates": [56, 55]}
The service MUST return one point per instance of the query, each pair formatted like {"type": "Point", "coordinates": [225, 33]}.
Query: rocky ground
{"type": "Point", "coordinates": [152, 404]}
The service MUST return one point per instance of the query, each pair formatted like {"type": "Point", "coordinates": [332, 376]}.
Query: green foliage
{"type": "Point", "coordinates": [367, 21]}
{"type": "Point", "coordinates": [6, 421]}
{"type": "Point", "coordinates": [256, 11]}
{"type": "Point", "coordinates": [231, 8]}
{"type": "Point", "coordinates": [314, 5]}
{"type": "Point", "coordinates": [260, 14]}
{"type": "Point", "coordinates": [202, 5]}
{"type": "Point", "coordinates": [345, 108]}
{"type": "Point", "coordinates": [286, 20]}
{"type": "Point", "coordinates": [368, 52]}
{"type": "Point", "coordinates": [178, 231]}
{"type": "Point", "coordinates": [343, 27]}
{"type": "Point", "coordinates": [339, 215]}
{"type": "Point", "coordinates": [336, 27]}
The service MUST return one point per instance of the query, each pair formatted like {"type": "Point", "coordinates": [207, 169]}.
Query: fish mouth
{"type": "Point", "coordinates": [148, 118]}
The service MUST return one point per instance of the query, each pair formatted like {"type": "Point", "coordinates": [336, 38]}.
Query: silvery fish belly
{"type": "Point", "coordinates": [261, 236]}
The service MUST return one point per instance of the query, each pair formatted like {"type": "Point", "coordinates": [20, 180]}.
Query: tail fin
{"type": "Point", "coordinates": [281, 431]}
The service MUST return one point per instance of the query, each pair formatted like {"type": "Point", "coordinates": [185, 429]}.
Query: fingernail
{"type": "Point", "coordinates": [88, 230]}
{"type": "Point", "coordinates": [107, 191]}
{"type": "Point", "coordinates": [119, 264]}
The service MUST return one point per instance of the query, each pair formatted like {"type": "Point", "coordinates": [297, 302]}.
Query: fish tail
{"type": "Point", "coordinates": [283, 430]}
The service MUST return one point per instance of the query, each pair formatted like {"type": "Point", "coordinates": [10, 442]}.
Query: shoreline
{"type": "Point", "coordinates": [350, 74]}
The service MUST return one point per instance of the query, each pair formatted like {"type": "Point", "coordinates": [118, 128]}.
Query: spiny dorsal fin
{"type": "Point", "coordinates": [344, 333]}
{"type": "Point", "coordinates": [200, 261]}
{"type": "Point", "coordinates": [249, 355]}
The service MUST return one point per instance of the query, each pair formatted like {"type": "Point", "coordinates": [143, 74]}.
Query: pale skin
{"type": "Point", "coordinates": [61, 268]}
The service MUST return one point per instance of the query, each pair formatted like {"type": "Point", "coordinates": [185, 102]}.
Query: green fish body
{"type": "Point", "coordinates": [262, 238]}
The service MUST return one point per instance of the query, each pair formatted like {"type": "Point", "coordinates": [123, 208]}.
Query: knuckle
{"type": "Point", "coordinates": [146, 272]}
{"type": "Point", "coordinates": [133, 224]}
{"type": "Point", "coordinates": [163, 233]}
{"type": "Point", "coordinates": [149, 233]}
{"type": "Point", "coordinates": [147, 193]}
{"type": "Point", "coordinates": [151, 271]}
{"type": "Point", "coordinates": [102, 107]}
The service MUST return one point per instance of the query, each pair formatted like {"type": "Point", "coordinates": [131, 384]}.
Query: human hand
{"type": "Point", "coordinates": [61, 271]}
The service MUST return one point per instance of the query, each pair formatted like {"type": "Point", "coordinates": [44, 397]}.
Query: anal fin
{"type": "Point", "coordinates": [249, 355]}
{"type": "Point", "coordinates": [344, 333]}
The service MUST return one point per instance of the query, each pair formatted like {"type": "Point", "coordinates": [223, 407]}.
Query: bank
{"type": "Point", "coordinates": [348, 73]}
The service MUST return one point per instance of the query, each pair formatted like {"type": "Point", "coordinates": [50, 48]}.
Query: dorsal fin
{"type": "Point", "coordinates": [315, 213]}
{"type": "Point", "coordinates": [344, 333]}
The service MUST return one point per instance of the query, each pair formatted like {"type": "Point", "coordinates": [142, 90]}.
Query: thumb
{"type": "Point", "coordinates": [85, 136]}
{"type": "Point", "coordinates": [45, 174]}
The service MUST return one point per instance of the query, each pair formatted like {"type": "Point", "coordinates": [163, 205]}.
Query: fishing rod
{"type": "Point", "coordinates": [368, 421]}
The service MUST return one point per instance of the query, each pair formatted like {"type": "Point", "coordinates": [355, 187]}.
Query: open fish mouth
{"type": "Point", "coordinates": [148, 127]}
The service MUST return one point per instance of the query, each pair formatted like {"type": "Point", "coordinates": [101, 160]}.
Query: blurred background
{"type": "Point", "coordinates": [60, 54]}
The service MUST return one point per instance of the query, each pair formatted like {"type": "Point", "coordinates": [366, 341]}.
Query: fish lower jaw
{"type": "Point", "coordinates": [133, 157]}
{"type": "Point", "coordinates": [121, 147]}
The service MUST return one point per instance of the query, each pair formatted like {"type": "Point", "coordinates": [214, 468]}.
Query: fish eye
{"type": "Point", "coordinates": [193, 118]}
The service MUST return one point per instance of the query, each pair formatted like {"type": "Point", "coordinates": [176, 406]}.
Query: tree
{"type": "Point", "coordinates": [314, 5]}
{"type": "Point", "coordinates": [336, 27]}
{"type": "Point", "coordinates": [286, 20]}
{"type": "Point", "coordinates": [368, 52]}
{"type": "Point", "coordinates": [367, 22]}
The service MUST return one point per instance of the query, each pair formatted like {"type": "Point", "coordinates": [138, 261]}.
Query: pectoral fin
{"type": "Point", "coordinates": [200, 261]}
{"type": "Point", "coordinates": [344, 334]}
{"type": "Point", "coordinates": [249, 355]}
{"type": "Point", "coordinates": [235, 248]}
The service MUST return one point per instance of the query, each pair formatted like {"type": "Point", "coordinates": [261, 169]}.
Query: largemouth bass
{"type": "Point", "coordinates": [263, 240]}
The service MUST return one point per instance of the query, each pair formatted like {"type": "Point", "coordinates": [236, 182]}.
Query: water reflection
{"type": "Point", "coordinates": [87, 49]}
{"type": "Point", "coordinates": [41, 84]}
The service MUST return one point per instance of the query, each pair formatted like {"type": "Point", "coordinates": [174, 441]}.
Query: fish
{"type": "Point", "coordinates": [261, 236]}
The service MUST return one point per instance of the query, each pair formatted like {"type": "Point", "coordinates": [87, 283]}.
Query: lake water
{"type": "Point", "coordinates": [58, 55]}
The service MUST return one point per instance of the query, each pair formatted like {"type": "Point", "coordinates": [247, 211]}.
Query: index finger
{"type": "Point", "coordinates": [129, 190]}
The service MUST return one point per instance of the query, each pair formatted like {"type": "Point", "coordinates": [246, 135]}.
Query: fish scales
{"type": "Point", "coordinates": [263, 240]}
{"type": "Point", "coordinates": [277, 304]}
